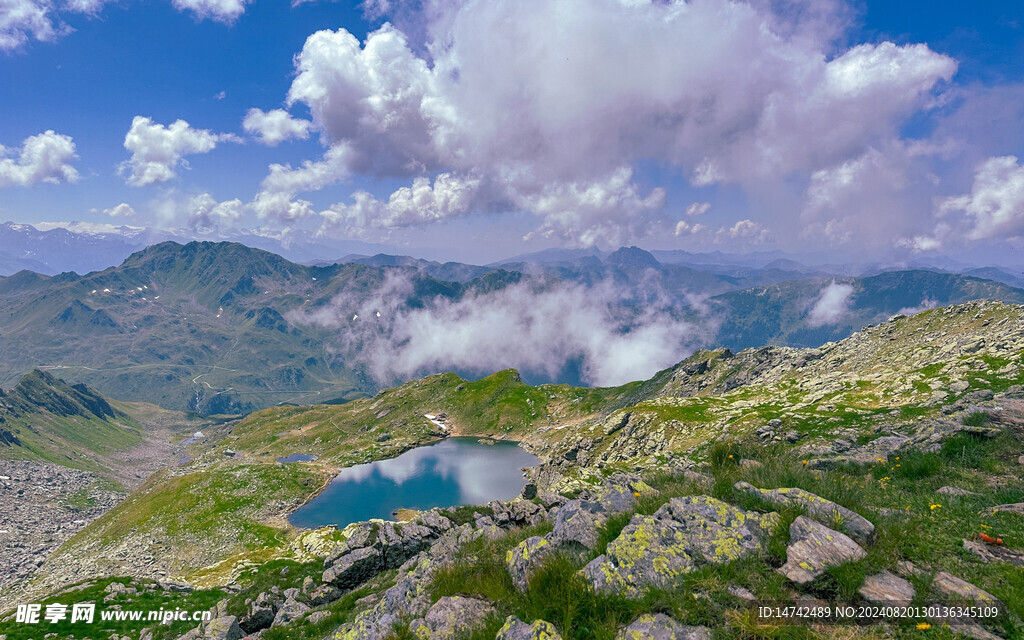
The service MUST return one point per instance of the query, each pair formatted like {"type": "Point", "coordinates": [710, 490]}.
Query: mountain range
{"type": "Point", "coordinates": [225, 328]}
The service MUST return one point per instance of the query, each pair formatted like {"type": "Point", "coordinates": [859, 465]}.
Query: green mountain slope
{"type": "Point", "coordinates": [44, 418]}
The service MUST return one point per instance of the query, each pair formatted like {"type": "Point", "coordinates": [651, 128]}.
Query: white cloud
{"type": "Point", "coordinates": [377, 98]}
{"type": "Point", "coordinates": [698, 208]}
{"type": "Point", "coordinates": [123, 210]}
{"type": "Point", "coordinates": [205, 213]}
{"type": "Point", "coordinates": [450, 196]}
{"type": "Point", "coordinates": [586, 212]}
{"type": "Point", "coordinates": [281, 206]}
{"type": "Point", "coordinates": [275, 126]}
{"type": "Point", "coordinates": [553, 105]}
{"type": "Point", "coordinates": [22, 20]}
{"type": "Point", "coordinates": [867, 198]}
{"type": "Point", "coordinates": [276, 198]}
{"type": "Point", "coordinates": [89, 7]}
{"type": "Point", "coordinates": [995, 206]}
{"type": "Point", "coordinates": [226, 11]}
{"type": "Point", "coordinates": [533, 328]}
{"type": "Point", "coordinates": [157, 150]}
{"type": "Point", "coordinates": [311, 176]}
{"type": "Point", "coordinates": [45, 157]}
{"type": "Point", "coordinates": [685, 228]}
{"type": "Point", "coordinates": [749, 229]}
{"type": "Point", "coordinates": [831, 305]}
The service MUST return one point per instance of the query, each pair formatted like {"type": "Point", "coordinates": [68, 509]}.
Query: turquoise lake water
{"type": "Point", "coordinates": [452, 472]}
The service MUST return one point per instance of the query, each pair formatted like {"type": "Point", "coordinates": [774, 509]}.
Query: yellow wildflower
{"type": "Point", "coordinates": [923, 625]}
{"type": "Point", "coordinates": [935, 506]}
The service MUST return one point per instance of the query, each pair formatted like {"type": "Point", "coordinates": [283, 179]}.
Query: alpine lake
{"type": "Point", "coordinates": [451, 472]}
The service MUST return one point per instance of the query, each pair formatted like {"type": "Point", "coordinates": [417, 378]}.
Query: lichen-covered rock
{"type": "Point", "coordinates": [648, 552]}
{"type": "Point", "coordinates": [317, 543]}
{"type": "Point", "coordinates": [291, 610]}
{"type": "Point", "coordinates": [357, 536]}
{"type": "Point", "coordinates": [887, 588]}
{"type": "Point", "coordinates": [260, 615]}
{"type": "Point", "coordinates": [576, 525]}
{"type": "Point", "coordinates": [813, 548]}
{"type": "Point", "coordinates": [661, 627]}
{"type": "Point", "coordinates": [949, 585]}
{"type": "Point", "coordinates": [525, 558]}
{"type": "Point", "coordinates": [354, 568]}
{"type": "Point", "coordinates": [433, 519]}
{"type": "Point", "coordinates": [516, 629]}
{"type": "Point", "coordinates": [687, 532]}
{"type": "Point", "coordinates": [824, 511]}
{"type": "Point", "coordinates": [618, 493]}
{"type": "Point", "coordinates": [323, 594]}
{"type": "Point", "coordinates": [410, 596]}
{"type": "Point", "coordinates": [223, 628]}
{"type": "Point", "coordinates": [718, 532]}
{"type": "Point", "coordinates": [524, 512]}
{"type": "Point", "coordinates": [451, 617]}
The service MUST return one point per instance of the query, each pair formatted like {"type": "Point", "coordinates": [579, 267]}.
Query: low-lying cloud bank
{"type": "Point", "coordinates": [614, 335]}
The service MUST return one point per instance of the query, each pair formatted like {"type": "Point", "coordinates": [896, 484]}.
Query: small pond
{"type": "Point", "coordinates": [298, 457]}
{"type": "Point", "coordinates": [452, 472]}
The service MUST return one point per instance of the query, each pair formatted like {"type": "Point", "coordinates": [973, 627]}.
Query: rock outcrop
{"type": "Point", "coordinates": [814, 548]}
{"type": "Point", "coordinates": [824, 511]}
{"type": "Point", "coordinates": [684, 534]}
{"type": "Point", "coordinates": [661, 627]}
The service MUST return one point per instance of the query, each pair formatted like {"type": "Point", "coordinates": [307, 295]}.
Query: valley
{"type": "Point", "coordinates": [878, 422]}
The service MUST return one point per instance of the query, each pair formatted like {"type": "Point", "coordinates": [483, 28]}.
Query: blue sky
{"type": "Point", "coordinates": [875, 129]}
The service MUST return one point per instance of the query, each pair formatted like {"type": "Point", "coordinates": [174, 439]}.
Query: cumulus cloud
{"type": "Point", "coordinates": [281, 206]}
{"type": "Point", "coordinates": [24, 20]}
{"type": "Point", "coordinates": [993, 210]}
{"type": "Point", "coordinates": [536, 329]}
{"type": "Point", "coordinates": [226, 11]}
{"type": "Point", "coordinates": [450, 196]}
{"type": "Point", "coordinates": [698, 208]}
{"type": "Point", "coordinates": [610, 209]}
{"type": "Point", "coordinates": [123, 210]}
{"type": "Point", "coordinates": [832, 303]}
{"type": "Point", "coordinates": [275, 126]}
{"type": "Point", "coordinates": [45, 157]}
{"type": "Point", "coordinates": [868, 198]}
{"type": "Point", "coordinates": [206, 214]}
{"type": "Point", "coordinates": [277, 196]}
{"type": "Point", "coordinates": [995, 205]}
{"type": "Point", "coordinates": [158, 150]}
{"type": "Point", "coordinates": [685, 228]}
{"type": "Point", "coordinates": [551, 106]}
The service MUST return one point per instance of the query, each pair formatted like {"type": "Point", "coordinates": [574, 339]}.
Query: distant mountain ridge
{"type": "Point", "coordinates": [219, 327]}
